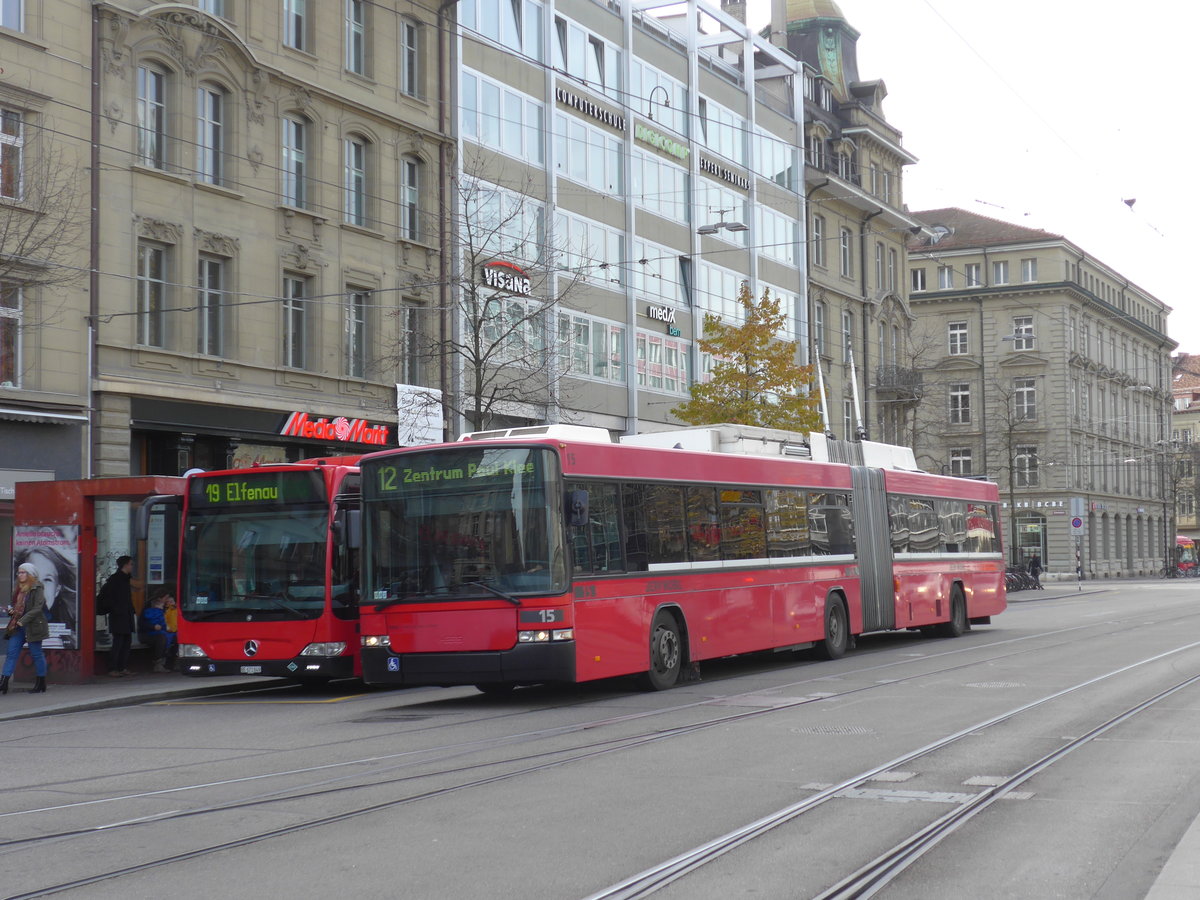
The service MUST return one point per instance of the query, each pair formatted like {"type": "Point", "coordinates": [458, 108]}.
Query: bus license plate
{"type": "Point", "coordinates": [251, 670]}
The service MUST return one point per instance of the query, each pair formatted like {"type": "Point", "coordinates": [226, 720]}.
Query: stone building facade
{"type": "Point", "coordinates": [1048, 372]}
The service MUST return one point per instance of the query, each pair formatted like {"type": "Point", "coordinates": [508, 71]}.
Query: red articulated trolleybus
{"type": "Point", "coordinates": [268, 571]}
{"type": "Point", "coordinates": [553, 554]}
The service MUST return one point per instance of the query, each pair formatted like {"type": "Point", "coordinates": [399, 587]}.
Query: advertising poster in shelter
{"type": "Point", "coordinates": [54, 550]}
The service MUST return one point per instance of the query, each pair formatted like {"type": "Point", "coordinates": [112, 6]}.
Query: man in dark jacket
{"type": "Point", "coordinates": [116, 601]}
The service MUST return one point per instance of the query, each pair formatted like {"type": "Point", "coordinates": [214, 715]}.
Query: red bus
{"type": "Point", "coordinates": [268, 571]}
{"type": "Point", "coordinates": [1185, 552]}
{"type": "Point", "coordinates": [499, 562]}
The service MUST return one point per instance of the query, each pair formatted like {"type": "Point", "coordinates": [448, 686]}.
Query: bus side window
{"type": "Point", "coordinates": [703, 525]}
{"type": "Point", "coordinates": [831, 523]}
{"type": "Point", "coordinates": [924, 535]}
{"type": "Point", "coordinates": [743, 531]}
{"type": "Point", "coordinates": [898, 520]}
{"type": "Point", "coordinates": [787, 523]}
{"type": "Point", "coordinates": [654, 525]}
{"type": "Point", "coordinates": [981, 528]}
{"type": "Point", "coordinates": [633, 501]}
{"type": "Point", "coordinates": [596, 543]}
{"type": "Point", "coordinates": [952, 522]}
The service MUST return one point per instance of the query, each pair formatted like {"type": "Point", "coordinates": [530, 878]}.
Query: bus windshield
{"type": "Point", "coordinates": [472, 521]}
{"type": "Point", "coordinates": [246, 558]}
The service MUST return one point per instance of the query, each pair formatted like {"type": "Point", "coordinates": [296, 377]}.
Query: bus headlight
{"type": "Point", "coordinates": [542, 637]}
{"type": "Point", "coordinates": [329, 648]}
{"type": "Point", "coordinates": [191, 650]}
{"type": "Point", "coordinates": [376, 640]}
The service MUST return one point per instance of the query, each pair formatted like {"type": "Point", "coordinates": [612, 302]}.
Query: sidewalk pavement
{"type": "Point", "coordinates": [103, 693]}
{"type": "Point", "coordinates": [1056, 590]}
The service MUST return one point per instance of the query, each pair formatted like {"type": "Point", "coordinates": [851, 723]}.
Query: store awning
{"type": "Point", "coordinates": [40, 417]}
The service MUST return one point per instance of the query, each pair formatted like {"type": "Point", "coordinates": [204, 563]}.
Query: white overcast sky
{"type": "Point", "coordinates": [1051, 113]}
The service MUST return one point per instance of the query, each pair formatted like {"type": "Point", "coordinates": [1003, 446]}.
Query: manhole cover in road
{"type": "Point", "coordinates": [833, 729]}
{"type": "Point", "coordinates": [997, 684]}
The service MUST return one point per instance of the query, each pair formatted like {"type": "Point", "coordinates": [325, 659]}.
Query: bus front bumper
{"type": "Point", "coordinates": [523, 664]}
{"type": "Point", "coordinates": [298, 667]}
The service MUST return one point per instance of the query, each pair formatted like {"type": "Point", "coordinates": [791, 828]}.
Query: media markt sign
{"type": "Point", "coordinates": [506, 276]}
{"type": "Point", "coordinates": [349, 431]}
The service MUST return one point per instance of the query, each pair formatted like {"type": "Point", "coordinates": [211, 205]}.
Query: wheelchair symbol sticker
{"type": "Point", "coordinates": [393, 664]}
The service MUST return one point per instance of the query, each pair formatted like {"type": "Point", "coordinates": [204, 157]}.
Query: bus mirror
{"type": "Point", "coordinates": [141, 522]}
{"type": "Point", "coordinates": [577, 508]}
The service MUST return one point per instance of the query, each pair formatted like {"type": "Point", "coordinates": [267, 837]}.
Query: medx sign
{"type": "Point", "coordinates": [662, 313]}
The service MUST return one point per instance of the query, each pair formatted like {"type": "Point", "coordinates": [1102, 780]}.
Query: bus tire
{"type": "Point", "coordinates": [837, 629]}
{"type": "Point", "coordinates": [958, 624]}
{"type": "Point", "coordinates": [666, 654]}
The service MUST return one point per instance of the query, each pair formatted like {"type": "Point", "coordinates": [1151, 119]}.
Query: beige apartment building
{"type": "Point", "coordinates": [858, 227]}
{"type": "Point", "coordinates": [1185, 443]}
{"type": "Point", "coordinates": [1050, 373]}
{"type": "Point", "coordinates": [254, 242]}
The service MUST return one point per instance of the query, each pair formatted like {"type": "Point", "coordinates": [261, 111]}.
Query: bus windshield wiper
{"type": "Point", "coordinates": [281, 603]}
{"type": "Point", "coordinates": [491, 590]}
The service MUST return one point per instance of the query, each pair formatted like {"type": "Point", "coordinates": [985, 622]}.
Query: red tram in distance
{"type": "Point", "coordinates": [268, 571]}
{"type": "Point", "coordinates": [522, 557]}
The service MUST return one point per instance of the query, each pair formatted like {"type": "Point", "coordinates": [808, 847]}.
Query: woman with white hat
{"type": "Point", "coordinates": [27, 623]}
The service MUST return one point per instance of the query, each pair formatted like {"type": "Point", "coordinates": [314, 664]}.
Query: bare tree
{"type": "Point", "coordinates": [40, 231]}
{"type": "Point", "coordinates": [504, 341]}
{"type": "Point", "coordinates": [41, 195]}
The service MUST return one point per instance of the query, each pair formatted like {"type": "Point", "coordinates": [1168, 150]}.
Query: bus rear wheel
{"type": "Point", "coordinates": [837, 630]}
{"type": "Point", "coordinates": [958, 623]}
{"type": "Point", "coordinates": [666, 654]}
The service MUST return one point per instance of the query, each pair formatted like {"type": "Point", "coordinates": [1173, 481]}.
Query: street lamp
{"type": "Point", "coordinates": [718, 226]}
{"type": "Point", "coordinates": [728, 226]}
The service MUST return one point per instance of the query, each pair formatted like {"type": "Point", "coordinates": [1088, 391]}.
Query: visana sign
{"type": "Point", "coordinates": [505, 276]}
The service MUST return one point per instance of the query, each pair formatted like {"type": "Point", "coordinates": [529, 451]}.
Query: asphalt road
{"type": "Point", "coordinates": [565, 793]}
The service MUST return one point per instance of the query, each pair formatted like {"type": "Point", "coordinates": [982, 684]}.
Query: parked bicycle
{"type": "Point", "coordinates": [1016, 578]}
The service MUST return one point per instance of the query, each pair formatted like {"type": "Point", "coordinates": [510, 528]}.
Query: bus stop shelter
{"type": "Point", "coordinates": [73, 532]}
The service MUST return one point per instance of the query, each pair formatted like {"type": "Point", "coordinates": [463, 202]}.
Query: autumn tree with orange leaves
{"type": "Point", "coordinates": [755, 378]}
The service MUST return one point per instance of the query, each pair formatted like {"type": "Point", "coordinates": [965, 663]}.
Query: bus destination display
{"type": "Point", "coordinates": [476, 469]}
{"type": "Point", "coordinates": [257, 489]}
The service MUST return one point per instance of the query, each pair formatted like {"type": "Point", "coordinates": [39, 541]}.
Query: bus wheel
{"type": "Point", "coordinates": [837, 630]}
{"type": "Point", "coordinates": [666, 654]}
{"type": "Point", "coordinates": [495, 688]}
{"type": "Point", "coordinates": [958, 615]}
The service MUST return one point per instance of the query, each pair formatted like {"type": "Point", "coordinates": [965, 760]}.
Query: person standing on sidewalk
{"type": "Point", "coordinates": [1035, 570]}
{"type": "Point", "coordinates": [116, 601]}
{"type": "Point", "coordinates": [27, 623]}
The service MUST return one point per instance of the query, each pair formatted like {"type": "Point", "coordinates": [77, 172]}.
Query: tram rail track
{"type": "Point", "coordinates": [417, 757]}
{"type": "Point", "coordinates": [870, 878]}
{"type": "Point", "coordinates": [559, 757]}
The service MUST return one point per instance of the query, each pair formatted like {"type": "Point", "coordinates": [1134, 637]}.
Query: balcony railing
{"type": "Point", "coordinates": [900, 382]}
